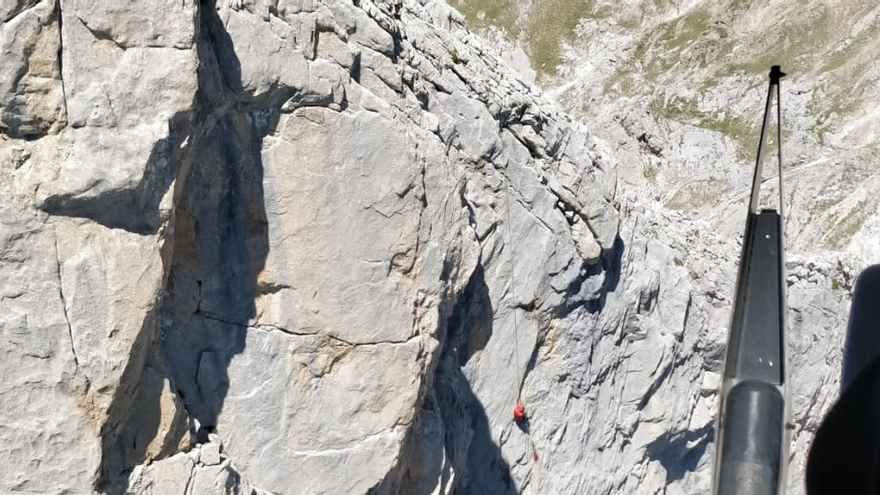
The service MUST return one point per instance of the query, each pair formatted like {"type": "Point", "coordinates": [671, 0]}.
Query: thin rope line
{"type": "Point", "coordinates": [513, 295]}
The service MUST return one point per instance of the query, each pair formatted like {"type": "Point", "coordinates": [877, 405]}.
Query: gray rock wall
{"type": "Point", "coordinates": [315, 247]}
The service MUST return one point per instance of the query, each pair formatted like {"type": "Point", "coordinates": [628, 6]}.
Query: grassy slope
{"type": "Point", "coordinates": [680, 63]}
{"type": "Point", "coordinates": [542, 25]}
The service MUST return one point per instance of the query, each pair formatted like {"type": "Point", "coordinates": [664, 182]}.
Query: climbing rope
{"type": "Point", "coordinates": [513, 299]}
{"type": "Point", "coordinates": [519, 409]}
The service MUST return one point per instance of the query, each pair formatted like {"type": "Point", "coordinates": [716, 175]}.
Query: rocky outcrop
{"type": "Point", "coordinates": [323, 247]}
{"type": "Point", "coordinates": [270, 239]}
{"type": "Point", "coordinates": [677, 92]}
{"type": "Point", "coordinates": [87, 190]}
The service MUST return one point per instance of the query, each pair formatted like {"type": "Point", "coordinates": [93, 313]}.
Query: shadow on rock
{"type": "Point", "coordinates": [220, 246]}
{"type": "Point", "coordinates": [470, 449]}
{"type": "Point", "coordinates": [213, 280]}
{"type": "Point", "coordinates": [135, 209]}
{"type": "Point", "coordinates": [524, 425]}
{"type": "Point", "coordinates": [451, 443]}
{"type": "Point", "coordinates": [590, 291]}
{"type": "Point", "coordinates": [610, 266]}
{"type": "Point", "coordinates": [672, 451]}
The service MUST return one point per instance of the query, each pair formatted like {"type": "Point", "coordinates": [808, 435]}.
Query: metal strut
{"type": "Point", "coordinates": [752, 438]}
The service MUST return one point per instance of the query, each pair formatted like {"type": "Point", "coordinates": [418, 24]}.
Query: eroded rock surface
{"type": "Point", "coordinates": [321, 247]}
{"type": "Point", "coordinates": [268, 239]}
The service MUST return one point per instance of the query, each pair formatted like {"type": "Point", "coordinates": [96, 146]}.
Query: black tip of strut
{"type": "Point", "coordinates": [776, 74]}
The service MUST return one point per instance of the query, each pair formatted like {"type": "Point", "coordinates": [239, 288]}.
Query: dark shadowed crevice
{"type": "Point", "coordinates": [450, 443]}
{"type": "Point", "coordinates": [133, 417]}
{"type": "Point", "coordinates": [61, 58]}
{"type": "Point", "coordinates": [215, 270]}
{"type": "Point", "coordinates": [658, 380]}
{"type": "Point", "coordinates": [102, 35]}
{"type": "Point", "coordinates": [20, 8]}
{"type": "Point", "coordinates": [220, 244]}
{"type": "Point", "coordinates": [540, 341]}
{"type": "Point", "coordinates": [64, 302]}
{"type": "Point", "coordinates": [470, 325]}
{"type": "Point", "coordinates": [611, 262]}
{"type": "Point", "coordinates": [470, 450]}
{"type": "Point", "coordinates": [214, 36]}
{"type": "Point", "coordinates": [578, 294]}
{"type": "Point", "coordinates": [687, 316]}
{"type": "Point", "coordinates": [118, 451]}
{"type": "Point", "coordinates": [227, 84]}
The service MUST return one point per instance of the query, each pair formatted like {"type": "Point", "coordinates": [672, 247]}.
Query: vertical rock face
{"type": "Point", "coordinates": [88, 175]}
{"type": "Point", "coordinates": [323, 247]}
{"type": "Point", "coordinates": [362, 172]}
{"type": "Point", "coordinates": [269, 240]}
{"type": "Point", "coordinates": [32, 102]}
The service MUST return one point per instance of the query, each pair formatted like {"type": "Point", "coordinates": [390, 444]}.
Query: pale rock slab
{"type": "Point", "coordinates": [210, 455]}
{"type": "Point", "coordinates": [32, 96]}
{"type": "Point", "coordinates": [346, 238]}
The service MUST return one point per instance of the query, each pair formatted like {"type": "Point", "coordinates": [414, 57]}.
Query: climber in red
{"type": "Point", "coordinates": [519, 415]}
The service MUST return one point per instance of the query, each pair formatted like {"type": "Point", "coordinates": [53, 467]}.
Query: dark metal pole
{"type": "Point", "coordinates": [751, 434]}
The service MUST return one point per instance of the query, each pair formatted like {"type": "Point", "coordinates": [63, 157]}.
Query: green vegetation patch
{"type": "Point", "coordinates": [805, 43]}
{"type": "Point", "coordinates": [453, 54]}
{"type": "Point", "coordinates": [846, 223]}
{"type": "Point", "coordinates": [740, 129]}
{"type": "Point", "coordinates": [650, 173]}
{"type": "Point", "coordinates": [697, 194]}
{"type": "Point", "coordinates": [796, 43]}
{"type": "Point", "coordinates": [549, 23]}
{"type": "Point", "coordinates": [839, 236]}
{"type": "Point", "coordinates": [839, 57]}
{"type": "Point", "coordinates": [542, 26]}
{"type": "Point", "coordinates": [481, 14]}
{"type": "Point", "coordinates": [832, 195]}
{"type": "Point", "coordinates": [663, 47]}
{"type": "Point", "coordinates": [819, 206]}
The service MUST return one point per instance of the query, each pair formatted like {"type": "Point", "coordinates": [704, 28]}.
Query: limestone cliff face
{"type": "Point", "coordinates": [677, 91]}
{"type": "Point", "coordinates": [320, 247]}
{"type": "Point", "coordinates": [290, 227]}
